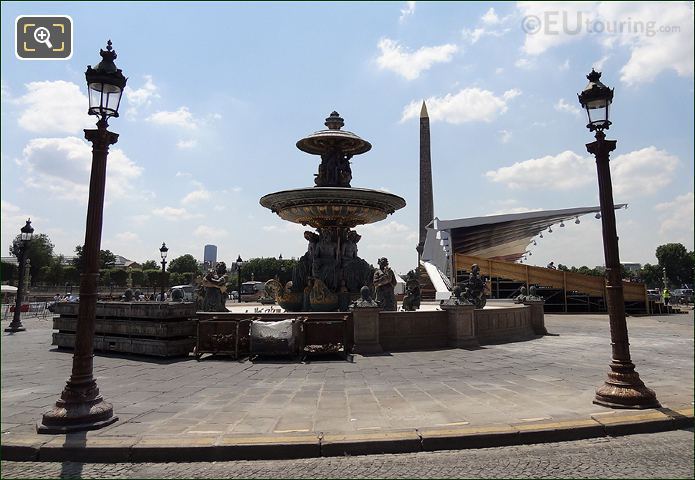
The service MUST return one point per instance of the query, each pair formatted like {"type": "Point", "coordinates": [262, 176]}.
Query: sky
{"type": "Point", "coordinates": [219, 93]}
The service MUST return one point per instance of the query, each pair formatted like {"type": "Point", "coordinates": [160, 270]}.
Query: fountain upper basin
{"type": "Point", "coordinates": [322, 207]}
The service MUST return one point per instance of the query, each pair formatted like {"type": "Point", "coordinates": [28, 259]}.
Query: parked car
{"type": "Point", "coordinates": [682, 295]}
{"type": "Point", "coordinates": [654, 295]}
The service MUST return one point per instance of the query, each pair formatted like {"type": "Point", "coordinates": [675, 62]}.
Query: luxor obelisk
{"type": "Point", "coordinates": [426, 201]}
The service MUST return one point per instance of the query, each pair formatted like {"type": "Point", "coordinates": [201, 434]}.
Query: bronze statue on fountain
{"type": "Point", "coordinates": [330, 271]}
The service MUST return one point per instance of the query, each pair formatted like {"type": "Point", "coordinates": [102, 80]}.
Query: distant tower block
{"type": "Point", "coordinates": [210, 255]}
{"type": "Point", "coordinates": [426, 201]}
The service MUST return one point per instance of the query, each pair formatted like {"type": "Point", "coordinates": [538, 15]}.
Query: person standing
{"type": "Point", "coordinates": [667, 296]}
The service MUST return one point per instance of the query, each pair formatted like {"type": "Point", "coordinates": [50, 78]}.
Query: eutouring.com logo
{"type": "Point", "coordinates": [555, 22]}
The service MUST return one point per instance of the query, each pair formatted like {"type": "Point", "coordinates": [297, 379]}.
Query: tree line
{"type": "Point", "coordinates": [674, 257]}
{"type": "Point", "coordinates": [47, 269]}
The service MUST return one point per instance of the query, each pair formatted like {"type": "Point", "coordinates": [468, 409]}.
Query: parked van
{"type": "Point", "coordinates": [251, 291]}
{"type": "Point", "coordinates": [186, 293]}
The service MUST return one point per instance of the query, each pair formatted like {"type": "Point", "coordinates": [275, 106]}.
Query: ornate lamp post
{"type": "Point", "coordinates": [623, 388]}
{"type": "Point", "coordinates": [239, 262]}
{"type": "Point", "coordinates": [163, 252]}
{"type": "Point", "coordinates": [25, 236]}
{"type": "Point", "coordinates": [80, 406]}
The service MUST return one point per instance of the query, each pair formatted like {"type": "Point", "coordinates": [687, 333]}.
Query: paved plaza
{"type": "Point", "coordinates": [400, 399]}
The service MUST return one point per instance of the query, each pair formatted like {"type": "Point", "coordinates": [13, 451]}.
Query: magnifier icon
{"type": "Point", "coordinates": [43, 35]}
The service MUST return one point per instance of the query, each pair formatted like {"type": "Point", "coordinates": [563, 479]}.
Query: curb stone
{"type": "Point", "coordinates": [269, 447]}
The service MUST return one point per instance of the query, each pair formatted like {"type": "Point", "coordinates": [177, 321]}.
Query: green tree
{"type": "Point", "coordinates": [55, 272]}
{"type": "Point", "coordinates": [72, 275]}
{"type": "Point", "coordinates": [678, 263]}
{"type": "Point", "coordinates": [152, 277]}
{"type": "Point", "coordinates": [40, 251]}
{"type": "Point", "coordinates": [650, 275]}
{"type": "Point", "coordinates": [150, 265]}
{"type": "Point", "coordinates": [265, 269]}
{"type": "Point", "coordinates": [138, 277]}
{"type": "Point", "coordinates": [183, 264]}
{"type": "Point", "coordinates": [8, 272]}
{"type": "Point", "coordinates": [119, 277]}
{"type": "Point", "coordinates": [106, 258]}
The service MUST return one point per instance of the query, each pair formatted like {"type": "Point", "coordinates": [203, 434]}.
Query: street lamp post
{"type": "Point", "coordinates": [239, 263]}
{"type": "Point", "coordinates": [623, 388]}
{"type": "Point", "coordinates": [81, 406]}
{"type": "Point", "coordinates": [25, 236]}
{"type": "Point", "coordinates": [163, 252]}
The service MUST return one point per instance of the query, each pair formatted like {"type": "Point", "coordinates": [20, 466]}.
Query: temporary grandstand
{"type": "Point", "coordinates": [497, 242]}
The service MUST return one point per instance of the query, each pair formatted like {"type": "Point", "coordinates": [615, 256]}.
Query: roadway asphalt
{"type": "Point", "coordinates": [539, 390]}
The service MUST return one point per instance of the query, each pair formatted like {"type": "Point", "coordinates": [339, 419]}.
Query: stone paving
{"type": "Point", "coordinates": [548, 378]}
{"type": "Point", "coordinates": [657, 455]}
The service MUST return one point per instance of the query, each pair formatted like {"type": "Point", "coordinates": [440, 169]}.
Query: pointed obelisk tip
{"type": "Point", "coordinates": [423, 111]}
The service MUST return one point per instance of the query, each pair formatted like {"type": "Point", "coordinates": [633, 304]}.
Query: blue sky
{"type": "Point", "coordinates": [219, 93]}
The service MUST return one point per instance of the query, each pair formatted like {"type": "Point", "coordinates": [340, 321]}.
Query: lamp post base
{"type": "Point", "coordinates": [77, 416]}
{"type": "Point", "coordinates": [12, 329]}
{"type": "Point", "coordinates": [624, 389]}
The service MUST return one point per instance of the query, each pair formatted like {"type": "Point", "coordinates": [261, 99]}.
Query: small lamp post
{"type": "Point", "coordinates": [81, 406]}
{"type": "Point", "coordinates": [623, 388]}
{"type": "Point", "coordinates": [25, 236]}
{"type": "Point", "coordinates": [163, 250]}
{"type": "Point", "coordinates": [239, 262]}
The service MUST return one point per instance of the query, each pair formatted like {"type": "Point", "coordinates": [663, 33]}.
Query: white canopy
{"type": "Point", "coordinates": [8, 289]}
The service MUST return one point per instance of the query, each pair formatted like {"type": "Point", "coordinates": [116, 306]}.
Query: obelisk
{"type": "Point", "coordinates": [426, 201]}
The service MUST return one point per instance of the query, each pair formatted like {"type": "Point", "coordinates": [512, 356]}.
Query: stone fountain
{"type": "Point", "coordinates": [330, 273]}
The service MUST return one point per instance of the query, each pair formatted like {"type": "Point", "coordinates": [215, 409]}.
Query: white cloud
{"type": "Point", "coordinates": [659, 36]}
{"type": "Point", "coordinates": [183, 174]}
{"type": "Point", "coordinates": [490, 17]}
{"type": "Point", "coordinates": [186, 144]}
{"type": "Point", "coordinates": [468, 105]}
{"type": "Point", "coordinates": [127, 237]}
{"type": "Point", "coordinates": [210, 233]}
{"type": "Point", "coordinates": [196, 196]}
{"type": "Point", "coordinates": [634, 174]}
{"type": "Point", "coordinates": [563, 106]}
{"type": "Point", "coordinates": [598, 64]}
{"type": "Point", "coordinates": [505, 136]}
{"type": "Point", "coordinates": [5, 94]}
{"type": "Point", "coordinates": [8, 208]}
{"type": "Point", "coordinates": [174, 214]}
{"type": "Point", "coordinates": [54, 107]}
{"type": "Point", "coordinates": [525, 64]}
{"type": "Point", "coordinates": [61, 166]}
{"type": "Point", "coordinates": [563, 171]}
{"type": "Point", "coordinates": [472, 36]}
{"type": "Point", "coordinates": [12, 218]}
{"type": "Point", "coordinates": [677, 218]}
{"type": "Point", "coordinates": [642, 172]}
{"type": "Point", "coordinates": [409, 65]}
{"type": "Point", "coordinates": [139, 219]}
{"type": "Point", "coordinates": [565, 66]}
{"type": "Point", "coordinates": [141, 97]}
{"type": "Point", "coordinates": [180, 118]}
{"type": "Point", "coordinates": [499, 71]}
{"type": "Point", "coordinates": [408, 10]}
